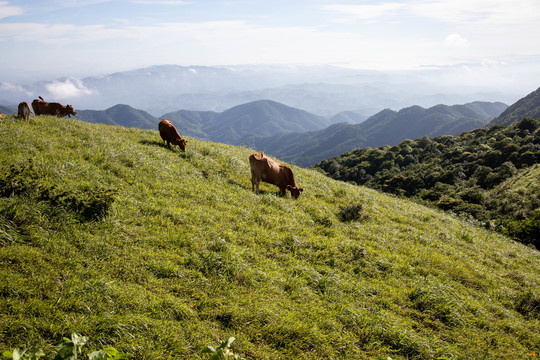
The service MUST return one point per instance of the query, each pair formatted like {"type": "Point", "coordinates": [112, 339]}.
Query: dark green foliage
{"type": "Point", "coordinates": [461, 174]}
{"type": "Point", "coordinates": [527, 230]}
{"type": "Point", "coordinates": [529, 124]}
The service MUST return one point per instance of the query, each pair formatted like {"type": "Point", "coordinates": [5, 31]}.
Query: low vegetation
{"type": "Point", "coordinates": [107, 233]}
{"type": "Point", "coordinates": [491, 174]}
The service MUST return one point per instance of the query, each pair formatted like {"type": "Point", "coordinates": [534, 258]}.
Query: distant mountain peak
{"type": "Point", "coordinates": [527, 107]}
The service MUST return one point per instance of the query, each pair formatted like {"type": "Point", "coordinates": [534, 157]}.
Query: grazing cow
{"type": "Point", "coordinates": [170, 135]}
{"type": "Point", "coordinates": [46, 108]}
{"type": "Point", "coordinates": [0, 115]}
{"type": "Point", "coordinates": [272, 172]}
{"type": "Point", "coordinates": [24, 111]}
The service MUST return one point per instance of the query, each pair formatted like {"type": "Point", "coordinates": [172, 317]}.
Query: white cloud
{"type": "Point", "coordinates": [67, 89]}
{"type": "Point", "coordinates": [501, 12]}
{"type": "Point", "coordinates": [366, 12]}
{"type": "Point", "coordinates": [495, 12]}
{"type": "Point", "coordinates": [6, 10]}
{"type": "Point", "coordinates": [456, 40]}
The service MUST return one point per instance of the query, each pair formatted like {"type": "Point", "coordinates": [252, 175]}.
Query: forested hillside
{"type": "Point", "coordinates": [106, 232]}
{"type": "Point", "coordinates": [491, 174]}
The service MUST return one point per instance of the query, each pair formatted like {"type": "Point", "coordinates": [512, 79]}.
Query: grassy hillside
{"type": "Point", "coordinates": [106, 232]}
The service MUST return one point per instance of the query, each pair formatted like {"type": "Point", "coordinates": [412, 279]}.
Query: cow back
{"type": "Point", "coordinates": [271, 171]}
{"type": "Point", "coordinates": [46, 108]}
{"type": "Point", "coordinates": [39, 106]}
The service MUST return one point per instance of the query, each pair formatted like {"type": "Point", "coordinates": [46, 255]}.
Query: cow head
{"type": "Point", "coordinates": [70, 110]}
{"type": "Point", "coordinates": [295, 191]}
{"type": "Point", "coordinates": [181, 143]}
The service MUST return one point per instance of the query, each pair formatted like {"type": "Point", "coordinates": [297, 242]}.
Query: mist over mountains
{"type": "Point", "coordinates": [321, 90]}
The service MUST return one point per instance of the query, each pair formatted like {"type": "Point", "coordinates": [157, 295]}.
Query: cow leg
{"type": "Point", "coordinates": [254, 183]}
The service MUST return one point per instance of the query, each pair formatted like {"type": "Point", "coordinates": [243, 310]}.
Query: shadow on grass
{"type": "Point", "coordinates": [162, 145]}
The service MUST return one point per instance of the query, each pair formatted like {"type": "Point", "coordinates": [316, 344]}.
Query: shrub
{"type": "Point", "coordinates": [528, 124]}
{"type": "Point", "coordinates": [351, 213]}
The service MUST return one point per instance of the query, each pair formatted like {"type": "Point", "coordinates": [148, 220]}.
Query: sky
{"type": "Point", "coordinates": [40, 40]}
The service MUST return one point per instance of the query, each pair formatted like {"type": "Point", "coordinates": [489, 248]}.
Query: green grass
{"type": "Point", "coordinates": [181, 254]}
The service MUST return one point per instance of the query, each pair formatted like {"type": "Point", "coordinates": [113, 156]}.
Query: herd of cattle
{"type": "Point", "coordinates": [262, 168]}
{"type": "Point", "coordinates": [42, 107]}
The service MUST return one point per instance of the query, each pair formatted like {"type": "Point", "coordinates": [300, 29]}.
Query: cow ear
{"type": "Point", "coordinates": [301, 189]}
{"type": "Point", "coordinates": [289, 187]}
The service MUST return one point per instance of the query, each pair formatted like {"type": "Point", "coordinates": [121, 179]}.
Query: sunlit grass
{"type": "Point", "coordinates": [187, 256]}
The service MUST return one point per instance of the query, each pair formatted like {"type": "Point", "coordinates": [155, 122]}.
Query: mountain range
{"type": "Point", "coordinates": [263, 117]}
{"type": "Point", "coordinates": [387, 127]}
{"type": "Point", "coordinates": [303, 138]}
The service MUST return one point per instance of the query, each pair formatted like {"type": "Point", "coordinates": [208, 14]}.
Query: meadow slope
{"type": "Point", "coordinates": [106, 232]}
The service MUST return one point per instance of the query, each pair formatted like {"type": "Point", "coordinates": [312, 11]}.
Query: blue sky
{"type": "Point", "coordinates": [44, 39]}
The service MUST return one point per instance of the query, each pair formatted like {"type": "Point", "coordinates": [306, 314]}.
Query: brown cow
{"type": "Point", "coordinates": [46, 108]}
{"type": "Point", "coordinates": [0, 115]}
{"type": "Point", "coordinates": [272, 172]}
{"type": "Point", "coordinates": [170, 135]}
{"type": "Point", "coordinates": [24, 111]}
